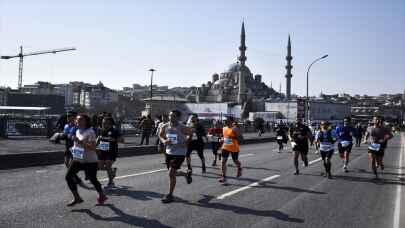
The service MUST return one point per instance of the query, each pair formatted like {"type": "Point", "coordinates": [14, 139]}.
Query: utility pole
{"type": "Point", "coordinates": [151, 90]}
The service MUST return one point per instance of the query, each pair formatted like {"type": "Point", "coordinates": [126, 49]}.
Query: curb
{"type": "Point", "coordinates": [24, 160]}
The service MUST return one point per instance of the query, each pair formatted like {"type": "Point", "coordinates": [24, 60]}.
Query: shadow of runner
{"type": "Point", "coordinates": [205, 202]}
{"type": "Point", "coordinates": [122, 217]}
{"type": "Point", "coordinates": [134, 194]}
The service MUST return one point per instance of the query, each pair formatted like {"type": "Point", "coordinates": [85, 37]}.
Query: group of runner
{"type": "Point", "coordinates": [180, 140]}
{"type": "Point", "coordinates": [376, 137]}
{"type": "Point", "coordinates": [93, 145]}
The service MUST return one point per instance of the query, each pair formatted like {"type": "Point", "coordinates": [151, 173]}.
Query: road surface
{"type": "Point", "coordinates": [267, 195]}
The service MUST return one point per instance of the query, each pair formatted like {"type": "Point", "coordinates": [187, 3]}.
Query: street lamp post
{"type": "Point", "coordinates": [307, 98]}
{"type": "Point", "coordinates": [151, 90]}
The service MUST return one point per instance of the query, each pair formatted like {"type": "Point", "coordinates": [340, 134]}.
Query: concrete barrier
{"type": "Point", "coordinates": [23, 160]}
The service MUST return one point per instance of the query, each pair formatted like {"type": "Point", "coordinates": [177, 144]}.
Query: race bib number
{"type": "Point", "coordinates": [345, 143]}
{"type": "Point", "coordinates": [104, 146]}
{"type": "Point", "coordinates": [374, 147]}
{"type": "Point", "coordinates": [293, 144]}
{"type": "Point", "coordinates": [325, 147]}
{"type": "Point", "coordinates": [173, 138]}
{"type": "Point", "coordinates": [214, 139]}
{"type": "Point", "coordinates": [228, 141]}
{"type": "Point", "coordinates": [78, 152]}
{"type": "Point", "coordinates": [279, 137]}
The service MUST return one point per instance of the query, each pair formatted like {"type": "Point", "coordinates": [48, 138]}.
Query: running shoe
{"type": "Point", "coordinates": [168, 198]}
{"type": "Point", "coordinates": [239, 172]}
{"type": "Point", "coordinates": [74, 202]}
{"type": "Point", "coordinates": [101, 199]}
{"type": "Point", "coordinates": [222, 180]}
{"type": "Point", "coordinates": [297, 172]}
{"type": "Point", "coordinates": [189, 179]}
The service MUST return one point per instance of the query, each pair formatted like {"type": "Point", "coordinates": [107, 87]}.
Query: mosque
{"type": "Point", "coordinates": [237, 85]}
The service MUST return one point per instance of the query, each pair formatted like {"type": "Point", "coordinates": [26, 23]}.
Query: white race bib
{"type": "Point", "coordinates": [345, 143]}
{"type": "Point", "coordinates": [293, 144]}
{"type": "Point", "coordinates": [325, 147]}
{"type": "Point", "coordinates": [228, 141]}
{"type": "Point", "coordinates": [214, 138]}
{"type": "Point", "coordinates": [173, 138]}
{"type": "Point", "coordinates": [78, 152]}
{"type": "Point", "coordinates": [374, 146]}
{"type": "Point", "coordinates": [104, 146]}
{"type": "Point", "coordinates": [194, 135]}
{"type": "Point", "coordinates": [279, 137]}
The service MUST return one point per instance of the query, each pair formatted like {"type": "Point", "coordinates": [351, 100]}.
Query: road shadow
{"type": "Point", "coordinates": [123, 190]}
{"type": "Point", "coordinates": [205, 202]}
{"type": "Point", "coordinates": [384, 172]}
{"type": "Point", "coordinates": [371, 179]}
{"type": "Point", "coordinates": [123, 217]}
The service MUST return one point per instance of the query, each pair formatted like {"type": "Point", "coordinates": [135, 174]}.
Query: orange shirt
{"type": "Point", "coordinates": [230, 142]}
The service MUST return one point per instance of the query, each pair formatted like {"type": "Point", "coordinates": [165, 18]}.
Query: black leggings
{"type": "Point", "coordinates": [90, 170]}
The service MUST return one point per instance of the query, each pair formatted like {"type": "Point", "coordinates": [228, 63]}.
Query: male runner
{"type": "Point", "coordinates": [325, 140]}
{"type": "Point", "coordinates": [174, 135]}
{"type": "Point", "coordinates": [377, 136]}
{"type": "Point", "coordinates": [345, 141]}
{"type": "Point", "coordinates": [196, 142]}
{"type": "Point", "coordinates": [215, 134]}
{"type": "Point", "coordinates": [299, 136]}
{"type": "Point", "coordinates": [230, 146]}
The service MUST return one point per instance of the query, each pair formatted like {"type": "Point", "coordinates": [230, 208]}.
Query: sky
{"type": "Point", "coordinates": [187, 41]}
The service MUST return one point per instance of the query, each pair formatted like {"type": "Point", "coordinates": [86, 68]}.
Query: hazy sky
{"type": "Point", "coordinates": [188, 40]}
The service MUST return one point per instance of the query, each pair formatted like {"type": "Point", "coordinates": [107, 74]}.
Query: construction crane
{"type": "Point", "coordinates": [21, 55]}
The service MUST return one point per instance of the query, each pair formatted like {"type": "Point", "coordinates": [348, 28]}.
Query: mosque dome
{"type": "Point", "coordinates": [220, 83]}
{"type": "Point", "coordinates": [237, 67]}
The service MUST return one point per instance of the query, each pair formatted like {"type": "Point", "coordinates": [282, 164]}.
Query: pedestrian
{"type": "Point", "coordinates": [281, 137]}
{"type": "Point", "coordinates": [84, 158]}
{"type": "Point", "coordinates": [344, 135]}
{"type": "Point", "coordinates": [359, 131]}
{"type": "Point", "coordinates": [146, 126]}
{"type": "Point", "coordinates": [174, 135]}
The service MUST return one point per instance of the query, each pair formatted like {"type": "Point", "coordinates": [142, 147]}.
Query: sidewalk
{"type": "Point", "coordinates": [18, 146]}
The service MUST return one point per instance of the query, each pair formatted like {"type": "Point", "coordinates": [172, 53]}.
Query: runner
{"type": "Point", "coordinates": [345, 141]}
{"type": "Point", "coordinates": [107, 148]}
{"type": "Point", "coordinates": [174, 135]}
{"type": "Point", "coordinates": [325, 140]}
{"type": "Point", "coordinates": [377, 136]}
{"type": "Point", "coordinates": [196, 142]}
{"type": "Point", "coordinates": [281, 137]}
{"type": "Point", "coordinates": [84, 158]}
{"type": "Point", "coordinates": [230, 146]}
{"type": "Point", "coordinates": [215, 134]}
{"type": "Point", "coordinates": [299, 136]}
{"type": "Point", "coordinates": [70, 130]}
{"type": "Point", "coordinates": [161, 145]}
{"type": "Point", "coordinates": [358, 134]}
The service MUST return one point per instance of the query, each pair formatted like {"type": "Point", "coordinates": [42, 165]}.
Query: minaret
{"type": "Point", "coordinates": [242, 96]}
{"type": "Point", "coordinates": [288, 67]}
{"type": "Point", "coordinates": [242, 48]}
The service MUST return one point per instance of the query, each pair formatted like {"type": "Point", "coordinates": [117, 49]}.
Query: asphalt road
{"type": "Point", "coordinates": [36, 197]}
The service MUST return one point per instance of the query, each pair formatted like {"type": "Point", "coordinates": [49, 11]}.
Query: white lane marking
{"type": "Point", "coordinates": [397, 210]}
{"type": "Point", "coordinates": [315, 161]}
{"type": "Point", "coordinates": [136, 174]}
{"type": "Point", "coordinates": [223, 196]}
{"type": "Point", "coordinates": [246, 155]}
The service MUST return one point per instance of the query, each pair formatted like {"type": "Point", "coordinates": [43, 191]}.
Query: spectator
{"type": "Point", "coordinates": [146, 127]}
